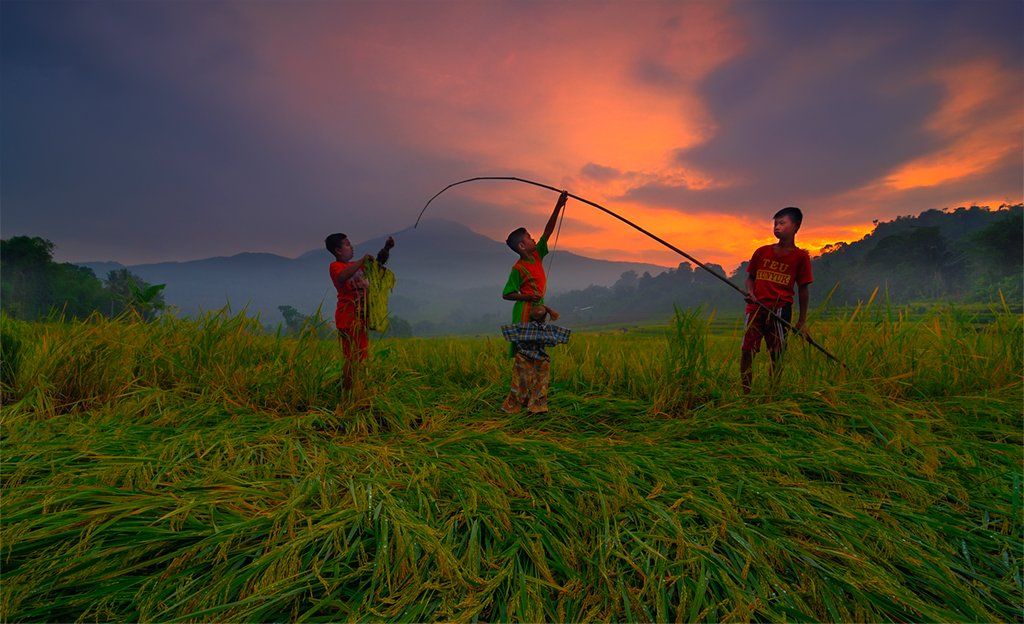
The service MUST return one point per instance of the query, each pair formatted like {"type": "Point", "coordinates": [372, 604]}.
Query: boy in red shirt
{"type": "Point", "coordinates": [347, 277]}
{"type": "Point", "coordinates": [771, 275]}
{"type": "Point", "coordinates": [527, 282]}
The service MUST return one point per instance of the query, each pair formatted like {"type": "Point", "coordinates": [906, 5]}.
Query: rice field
{"type": "Point", "coordinates": [204, 471]}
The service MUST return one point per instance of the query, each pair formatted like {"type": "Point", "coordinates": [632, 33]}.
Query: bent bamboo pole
{"type": "Point", "coordinates": [679, 251]}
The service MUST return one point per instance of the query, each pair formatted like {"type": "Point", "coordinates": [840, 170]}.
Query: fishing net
{"type": "Point", "coordinates": [381, 281]}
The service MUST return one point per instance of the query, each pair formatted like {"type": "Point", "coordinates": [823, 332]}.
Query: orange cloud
{"type": "Point", "coordinates": [612, 86]}
{"type": "Point", "coordinates": [980, 118]}
{"type": "Point", "coordinates": [499, 85]}
{"type": "Point", "coordinates": [516, 94]}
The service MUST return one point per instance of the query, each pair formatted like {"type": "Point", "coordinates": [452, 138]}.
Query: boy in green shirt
{"type": "Point", "coordinates": [527, 283]}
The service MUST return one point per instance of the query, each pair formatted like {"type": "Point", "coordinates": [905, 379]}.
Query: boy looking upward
{"type": "Point", "coordinates": [773, 272]}
{"type": "Point", "coordinates": [527, 283]}
{"type": "Point", "coordinates": [347, 277]}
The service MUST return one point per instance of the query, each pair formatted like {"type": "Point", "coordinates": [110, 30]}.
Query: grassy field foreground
{"type": "Point", "coordinates": [185, 470]}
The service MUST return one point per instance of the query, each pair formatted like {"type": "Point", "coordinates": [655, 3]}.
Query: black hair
{"type": "Point", "coordinates": [515, 238]}
{"type": "Point", "coordinates": [333, 241]}
{"type": "Point", "coordinates": [793, 213]}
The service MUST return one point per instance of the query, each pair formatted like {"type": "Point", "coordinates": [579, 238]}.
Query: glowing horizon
{"type": "Point", "coordinates": [168, 131]}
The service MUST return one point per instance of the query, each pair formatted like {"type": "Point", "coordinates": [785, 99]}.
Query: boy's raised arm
{"type": "Point", "coordinates": [550, 227]}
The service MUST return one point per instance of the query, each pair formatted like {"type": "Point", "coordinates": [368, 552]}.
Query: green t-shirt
{"type": "Point", "coordinates": [527, 277]}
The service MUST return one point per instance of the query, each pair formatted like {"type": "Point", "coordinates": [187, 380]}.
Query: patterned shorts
{"type": "Point", "coordinates": [530, 380]}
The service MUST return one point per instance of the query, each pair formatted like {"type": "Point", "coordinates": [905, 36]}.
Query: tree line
{"type": "Point", "coordinates": [33, 286]}
{"type": "Point", "coordinates": [968, 254]}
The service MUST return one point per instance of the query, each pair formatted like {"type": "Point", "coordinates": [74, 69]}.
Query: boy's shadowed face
{"type": "Point", "coordinates": [538, 314]}
{"type": "Point", "coordinates": [785, 228]}
{"type": "Point", "coordinates": [344, 251]}
{"type": "Point", "coordinates": [527, 245]}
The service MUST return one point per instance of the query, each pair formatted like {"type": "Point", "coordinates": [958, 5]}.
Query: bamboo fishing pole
{"type": "Point", "coordinates": [679, 251]}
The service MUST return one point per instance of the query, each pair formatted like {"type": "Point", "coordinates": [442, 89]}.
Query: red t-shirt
{"type": "Point", "coordinates": [775, 275]}
{"type": "Point", "coordinates": [350, 294]}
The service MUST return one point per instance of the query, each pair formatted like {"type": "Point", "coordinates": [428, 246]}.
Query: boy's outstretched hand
{"type": "Point", "coordinates": [550, 227]}
{"type": "Point", "coordinates": [389, 243]}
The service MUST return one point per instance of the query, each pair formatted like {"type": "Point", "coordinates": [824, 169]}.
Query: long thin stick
{"type": "Point", "coordinates": [551, 259]}
{"type": "Point", "coordinates": [648, 233]}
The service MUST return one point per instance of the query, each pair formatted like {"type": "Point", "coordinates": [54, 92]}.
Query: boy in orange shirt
{"type": "Point", "coordinates": [773, 272]}
{"type": "Point", "coordinates": [347, 277]}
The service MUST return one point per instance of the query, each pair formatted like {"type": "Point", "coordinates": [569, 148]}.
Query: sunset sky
{"type": "Point", "coordinates": [152, 131]}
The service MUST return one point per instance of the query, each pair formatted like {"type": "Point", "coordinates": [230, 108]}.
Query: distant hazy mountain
{"type": "Point", "coordinates": [445, 272]}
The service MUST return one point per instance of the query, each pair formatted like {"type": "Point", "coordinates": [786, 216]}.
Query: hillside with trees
{"type": "Point", "coordinates": [33, 286]}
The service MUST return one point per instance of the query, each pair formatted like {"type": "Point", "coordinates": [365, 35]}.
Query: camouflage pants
{"type": "Point", "coordinates": [529, 385]}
